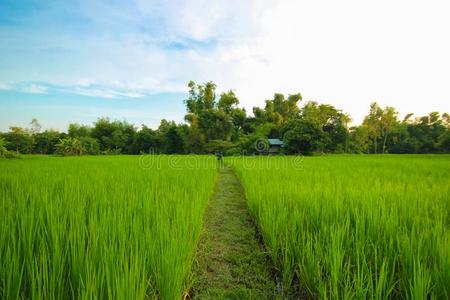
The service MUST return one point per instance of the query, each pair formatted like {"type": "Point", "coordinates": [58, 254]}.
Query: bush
{"type": "Point", "coordinates": [3, 149]}
{"type": "Point", "coordinates": [10, 155]}
{"type": "Point", "coordinates": [89, 145]}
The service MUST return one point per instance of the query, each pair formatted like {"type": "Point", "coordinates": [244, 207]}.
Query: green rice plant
{"type": "Point", "coordinates": [354, 227]}
{"type": "Point", "coordinates": [101, 227]}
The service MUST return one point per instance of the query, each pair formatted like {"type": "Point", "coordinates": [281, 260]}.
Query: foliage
{"type": "Point", "coordinates": [78, 131]}
{"type": "Point", "coordinates": [4, 152]}
{"type": "Point", "coordinates": [11, 154]}
{"type": "Point", "coordinates": [301, 136]}
{"type": "Point", "coordinates": [89, 145]}
{"type": "Point", "coordinates": [173, 141]}
{"type": "Point", "coordinates": [148, 140]}
{"type": "Point", "coordinates": [3, 149]}
{"type": "Point", "coordinates": [45, 141]}
{"type": "Point", "coordinates": [115, 135]}
{"type": "Point", "coordinates": [444, 141]}
{"type": "Point", "coordinates": [19, 140]}
{"type": "Point", "coordinates": [219, 146]}
{"type": "Point", "coordinates": [69, 146]}
{"type": "Point", "coordinates": [279, 109]}
{"type": "Point", "coordinates": [213, 120]}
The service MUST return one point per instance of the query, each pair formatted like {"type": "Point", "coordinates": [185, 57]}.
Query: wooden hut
{"type": "Point", "coordinates": [275, 146]}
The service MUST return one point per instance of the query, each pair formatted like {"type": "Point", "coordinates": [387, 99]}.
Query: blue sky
{"type": "Point", "coordinates": [57, 109]}
{"type": "Point", "coordinates": [75, 61]}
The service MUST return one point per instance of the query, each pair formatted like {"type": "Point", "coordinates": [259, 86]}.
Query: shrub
{"type": "Point", "coordinates": [10, 154]}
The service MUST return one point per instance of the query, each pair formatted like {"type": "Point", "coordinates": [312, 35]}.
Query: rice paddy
{"type": "Point", "coordinates": [123, 227]}
{"type": "Point", "coordinates": [100, 227]}
{"type": "Point", "coordinates": [362, 227]}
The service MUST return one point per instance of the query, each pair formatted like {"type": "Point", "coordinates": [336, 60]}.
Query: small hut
{"type": "Point", "coordinates": [275, 146]}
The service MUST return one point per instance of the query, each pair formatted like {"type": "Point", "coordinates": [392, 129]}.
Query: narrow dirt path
{"type": "Point", "coordinates": [230, 261]}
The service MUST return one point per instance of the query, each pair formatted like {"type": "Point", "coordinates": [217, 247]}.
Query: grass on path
{"type": "Point", "coordinates": [230, 263]}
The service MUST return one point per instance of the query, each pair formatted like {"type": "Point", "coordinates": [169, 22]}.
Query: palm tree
{"type": "Point", "coordinates": [69, 146]}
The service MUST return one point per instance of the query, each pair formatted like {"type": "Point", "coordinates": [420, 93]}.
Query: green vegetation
{"type": "Point", "coordinates": [128, 227]}
{"type": "Point", "coordinates": [114, 227]}
{"type": "Point", "coordinates": [216, 123]}
{"type": "Point", "coordinates": [3, 149]}
{"type": "Point", "coordinates": [231, 263]}
{"type": "Point", "coordinates": [363, 227]}
{"type": "Point", "coordinates": [4, 153]}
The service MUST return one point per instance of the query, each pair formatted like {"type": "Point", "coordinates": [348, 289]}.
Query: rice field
{"type": "Point", "coordinates": [127, 227]}
{"type": "Point", "coordinates": [354, 227]}
{"type": "Point", "coordinates": [112, 227]}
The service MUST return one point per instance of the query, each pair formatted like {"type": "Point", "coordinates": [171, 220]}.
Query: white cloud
{"type": "Point", "coordinates": [346, 53]}
{"type": "Point", "coordinates": [34, 89]}
{"type": "Point", "coordinates": [4, 86]}
{"type": "Point", "coordinates": [104, 93]}
{"type": "Point", "coordinates": [30, 88]}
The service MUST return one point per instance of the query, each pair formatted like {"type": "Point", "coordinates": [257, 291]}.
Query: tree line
{"type": "Point", "coordinates": [216, 123]}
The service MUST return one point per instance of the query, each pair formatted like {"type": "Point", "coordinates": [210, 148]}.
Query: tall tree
{"type": "Point", "coordinates": [148, 140]}
{"type": "Point", "coordinates": [279, 109]}
{"type": "Point", "coordinates": [388, 122]}
{"type": "Point", "coordinates": [208, 116]}
{"type": "Point", "coordinates": [46, 141]}
{"type": "Point", "coordinates": [302, 136]}
{"type": "Point", "coordinates": [19, 139]}
{"type": "Point", "coordinates": [116, 136]}
{"type": "Point", "coordinates": [3, 144]}
{"type": "Point", "coordinates": [77, 130]}
{"type": "Point", "coordinates": [35, 126]}
{"type": "Point", "coordinates": [372, 121]}
{"type": "Point", "coordinates": [173, 140]}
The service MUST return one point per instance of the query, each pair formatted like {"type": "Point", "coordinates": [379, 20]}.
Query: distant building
{"type": "Point", "coordinates": [275, 146]}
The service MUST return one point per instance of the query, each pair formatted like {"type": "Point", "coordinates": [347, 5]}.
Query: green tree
{"type": "Point", "coordinates": [89, 145]}
{"type": "Point", "coordinates": [359, 139]}
{"type": "Point", "coordinates": [279, 109]}
{"type": "Point", "coordinates": [173, 141]}
{"type": "Point", "coordinates": [331, 122]}
{"type": "Point", "coordinates": [77, 130]}
{"type": "Point", "coordinates": [194, 140]}
{"type": "Point", "coordinates": [46, 141]}
{"type": "Point", "coordinates": [446, 119]}
{"type": "Point", "coordinates": [388, 122]}
{"type": "Point", "coordinates": [373, 124]}
{"type": "Point", "coordinates": [444, 141]}
{"type": "Point", "coordinates": [209, 118]}
{"type": "Point", "coordinates": [201, 97]}
{"type": "Point", "coordinates": [35, 126]}
{"type": "Point", "coordinates": [148, 140]}
{"type": "Point", "coordinates": [116, 136]}
{"type": "Point", "coordinates": [227, 102]}
{"type": "Point", "coordinates": [19, 140]}
{"type": "Point", "coordinates": [302, 136]}
{"type": "Point", "coordinates": [3, 144]}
